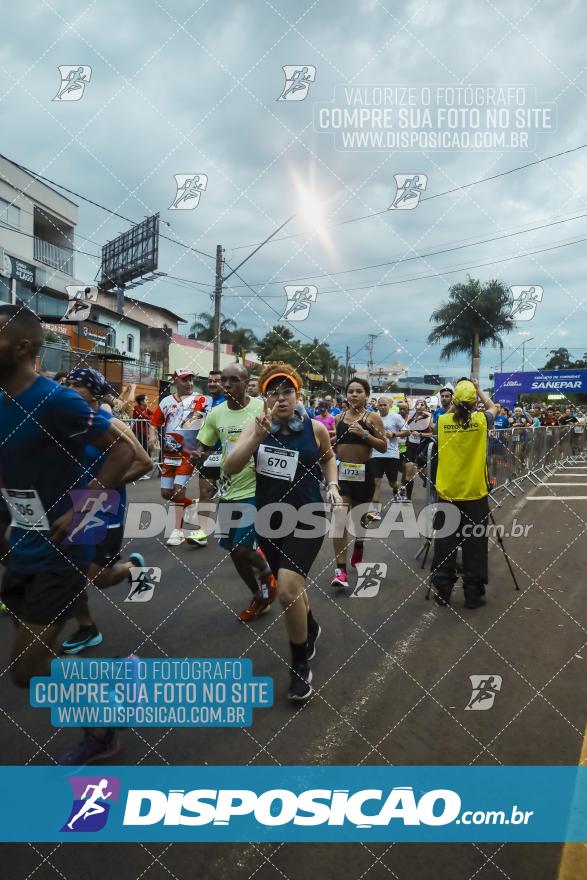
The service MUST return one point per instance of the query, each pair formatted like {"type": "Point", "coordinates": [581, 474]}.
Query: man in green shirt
{"type": "Point", "coordinates": [225, 423]}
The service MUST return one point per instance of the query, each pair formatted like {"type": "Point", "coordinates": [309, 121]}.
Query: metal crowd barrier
{"type": "Point", "coordinates": [518, 454]}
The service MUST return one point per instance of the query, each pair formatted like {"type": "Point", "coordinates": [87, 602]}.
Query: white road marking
{"type": "Point", "coordinates": [557, 497]}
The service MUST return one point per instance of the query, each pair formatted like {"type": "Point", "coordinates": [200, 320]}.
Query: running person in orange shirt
{"type": "Point", "coordinates": [172, 414]}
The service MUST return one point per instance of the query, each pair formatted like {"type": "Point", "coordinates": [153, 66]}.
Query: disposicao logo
{"type": "Point", "coordinates": [92, 796]}
{"type": "Point", "coordinates": [282, 807]}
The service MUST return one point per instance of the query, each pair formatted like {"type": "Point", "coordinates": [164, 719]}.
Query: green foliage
{"type": "Point", "coordinates": [474, 312]}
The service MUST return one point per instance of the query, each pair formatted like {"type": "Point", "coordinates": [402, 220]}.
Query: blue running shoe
{"type": "Point", "coordinates": [85, 637]}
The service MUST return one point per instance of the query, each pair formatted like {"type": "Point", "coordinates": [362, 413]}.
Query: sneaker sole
{"type": "Point", "coordinates": [336, 583]}
{"type": "Point", "coordinates": [296, 699]}
{"type": "Point", "coordinates": [114, 749]}
{"type": "Point", "coordinates": [318, 634]}
{"type": "Point", "coordinates": [175, 543]}
{"type": "Point", "coordinates": [195, 543]}
{"type": "Point", "coordinates": [137, 559]}
{"type": "Point", "coordinates": [77, 649]}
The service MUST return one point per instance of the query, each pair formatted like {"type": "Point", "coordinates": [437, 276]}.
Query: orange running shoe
{"type": "Point", "coordinates": [256, 608]}
{"type": "Point", "coordinates": [268, 587]}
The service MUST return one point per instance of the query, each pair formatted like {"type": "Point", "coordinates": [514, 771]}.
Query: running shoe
{"type": "Point", "coordinates": [340, 578]}
{"type": "Point", "coordinates": [85, 637]}
{"type": "Point", "coordinates": [370, 517]}
{"type": "Point", "coordinates": [197, 538]}
{"type": "Point", "coordinates": [403, 495]}
{"type": "Point", "coordinates": [91, 750]}
{"type": "Point", "coordinates": [313, 637]}
{"type": "Point", "coordinates": [396, 497]}
{"type": "Point", "coordinates": [176, 538]}
{"type": "Point", "coordinates": [300, 687]}
{"type": "Point", "coordinates": [357, 555]}
{"type": "Point", "coordinates": [257, 606]}
{"type": "Point", "coordinates": [268, 587]}
{"type": "Point", "coordinates": [137, 559]}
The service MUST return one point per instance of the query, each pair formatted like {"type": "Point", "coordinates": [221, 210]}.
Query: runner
{"type": "Point", "coordinates": [172, 414]}
{"type": "Point", "coordinates": [289, 453]}
{"type": "Point", "coordinates": [209, 470]}
{"type": "Point", "coordinates": [253, 387]}
{"type": "Point", "coordinates": [445, 402]}
{"type": "Point", "coordinates": [402, 495]}
{"type": "Point", "coordinates": [105, 569]}
{"type": "Point", "coordinates": [225, 424]}
{"type": "Point", "coordinates": [43, 430]}
{"type": "Point", "coordinates": [387, 463]}
{"type": "Point", "coordinates": [357, 434]}
{"type": "Point", "coordinates": [420, 424]}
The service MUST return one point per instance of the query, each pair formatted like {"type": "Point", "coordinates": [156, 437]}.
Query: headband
{"type": "Point", "coordinates": [273, 376]}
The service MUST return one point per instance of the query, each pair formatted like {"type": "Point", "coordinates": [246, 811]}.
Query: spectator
{"type": "Point", "coordinates": [141, 419]}
{"type": "Point", "coordinates": [502, 419]}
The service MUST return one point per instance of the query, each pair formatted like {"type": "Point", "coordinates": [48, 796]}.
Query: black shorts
{"type": "Point", "coordinates": [384, 466]}
{"type": "Point", "coordinates": [44, 597]}
{"type": "Point", "coordinates": [416, 452]}
{"type": "Point", "coordinates": [107, 552]}
{"type": "Point", "coordinates": [297, 554]}
{"type": "Point", "coordinates": [209, 473]}
{"type": "Point", "coordinates": [359, 492]}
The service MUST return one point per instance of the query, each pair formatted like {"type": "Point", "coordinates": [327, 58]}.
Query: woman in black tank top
{"type": "Point", "coordinates": [357, 433]}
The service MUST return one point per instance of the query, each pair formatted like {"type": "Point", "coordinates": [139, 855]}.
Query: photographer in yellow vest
{"type": "Point", "coordinates": [461, 479]}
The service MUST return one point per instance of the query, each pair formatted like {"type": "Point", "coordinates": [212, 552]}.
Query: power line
{"type": "Point", "coordinates": [397, 262]}
{"type": "Point", "coordinates": [73, 250]}
{"type": "Point", "coordinates": [427, 198]}
{"type": "Point", "coordinates": [443, 272]}
{"type": "Point", "coordinates": [98, 205]}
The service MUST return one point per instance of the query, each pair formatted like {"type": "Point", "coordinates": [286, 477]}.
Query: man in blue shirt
{"type": "Point", "coordinates": [332, 409]}
{"type": "Point", "coordinates": [445, 403]}
{"type": "Point", "coordinates": [43, 430]}
{"type": "Point", "coordinates": [502, 419]}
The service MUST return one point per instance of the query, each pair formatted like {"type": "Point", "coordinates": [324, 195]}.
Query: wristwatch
{"type": "Point", "coordinates": [365, 435]}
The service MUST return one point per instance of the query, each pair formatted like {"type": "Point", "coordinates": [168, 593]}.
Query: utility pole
{"type": "Point", "coordinates": [217, 308]}
{"type": "Point", "coordinates": [347, 360]}
{"type": "Point", "coordinates": [372, 338]}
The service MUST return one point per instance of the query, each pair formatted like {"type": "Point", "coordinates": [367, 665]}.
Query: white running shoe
{"type": "Point", "coordinates": [176, 538]}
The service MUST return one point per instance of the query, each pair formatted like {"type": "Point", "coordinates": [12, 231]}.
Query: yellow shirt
{"type": "Point", "coordinates": [462, 458]}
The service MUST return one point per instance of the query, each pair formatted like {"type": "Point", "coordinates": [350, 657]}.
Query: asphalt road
{"type": "Point", "coordinates": [392, 683]}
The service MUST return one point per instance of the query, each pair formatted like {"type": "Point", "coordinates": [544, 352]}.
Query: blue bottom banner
{"type": "Point", "coordinates": [305, 803]}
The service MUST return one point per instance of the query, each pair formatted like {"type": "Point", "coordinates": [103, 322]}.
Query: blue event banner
{"type": "Point", "coordinates": [151, 692]}
{"type": "Point", "coordinates": [508, 386]}
{"type": "Point", "coordinates": [298, 804]}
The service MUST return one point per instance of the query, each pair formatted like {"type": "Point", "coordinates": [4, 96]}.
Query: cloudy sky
{"type": "Point", "coordinates": [192, 87]}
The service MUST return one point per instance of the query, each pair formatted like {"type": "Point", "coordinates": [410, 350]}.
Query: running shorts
{"type": "Point", "coordinates": [359, 491]}
{"type": "Point", "coordinates": [176, 473]}
{"type": "Point", "coordinates": [416, 452]}
{"type": "Point", "coordinates": [296, 554]}
{"type": "Point", "coordinates": [384, 466]}
{"type": "Point", "coordinates": [245, 535]}
{"type": "Point", "coordinates": [107, 552]}
{"type": "Point", "coordinates": [44, 597]}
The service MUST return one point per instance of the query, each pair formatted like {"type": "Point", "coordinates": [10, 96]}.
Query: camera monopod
{"type": "Point", "coordinates": [504, 551]}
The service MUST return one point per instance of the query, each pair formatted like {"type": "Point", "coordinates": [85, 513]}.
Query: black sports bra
{"type": "Point", "coordinates": [343, 434]}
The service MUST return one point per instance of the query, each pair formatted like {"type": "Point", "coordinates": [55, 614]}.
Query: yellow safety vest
{"type": "Point", "coordinates": [462, 458]}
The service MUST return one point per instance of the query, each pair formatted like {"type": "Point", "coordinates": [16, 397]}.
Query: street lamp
{"type": "Point", "coordinates": [525, 333]}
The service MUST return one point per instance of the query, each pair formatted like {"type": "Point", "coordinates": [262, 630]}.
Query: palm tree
{"type": "Point", "coordinates": [242, 340]}
{"type": "Point", "coordinates": [474, 315]}
{"type": "Point", "coordinates": [203, 327]}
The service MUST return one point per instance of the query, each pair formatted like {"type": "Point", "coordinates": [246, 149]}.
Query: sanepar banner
{"type": "Point", "coordinates": [508, 386]}
{"type": "Point", "coordinates": [310, 803]}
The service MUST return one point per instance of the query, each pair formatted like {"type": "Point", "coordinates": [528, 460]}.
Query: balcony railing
{"type": "Point", "coordinates": [53, 255]}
